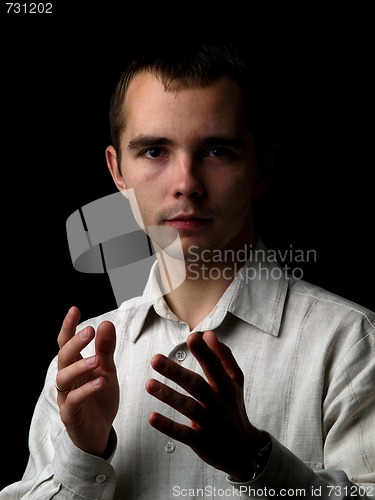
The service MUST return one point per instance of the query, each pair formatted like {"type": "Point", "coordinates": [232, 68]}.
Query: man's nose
{"type": "Point", "coordinates": [187, 178]}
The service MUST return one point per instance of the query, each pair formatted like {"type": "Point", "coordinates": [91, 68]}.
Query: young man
{"type": "Point", "coordinates": [241, 381]}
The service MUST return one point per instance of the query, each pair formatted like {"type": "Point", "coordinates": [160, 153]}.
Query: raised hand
{"type": "Point", "coordinates": [220, 432]}
{"type": "Point", "coordinates": [87, 388]}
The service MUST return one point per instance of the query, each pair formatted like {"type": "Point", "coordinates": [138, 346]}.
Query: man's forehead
{"type": "Point", "coordinates": [144, 83]}
{"type": "Point", "coordinates": [196, 117]}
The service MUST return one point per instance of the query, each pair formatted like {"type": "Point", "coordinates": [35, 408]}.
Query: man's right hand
{"type": "Point", "coordinates": [90, 399]}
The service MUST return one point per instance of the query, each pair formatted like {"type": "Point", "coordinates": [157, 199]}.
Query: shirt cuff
{"type": "Point", "coordinates": [86, 475]}
{"type": "Point", "coordinates": [284, 471]}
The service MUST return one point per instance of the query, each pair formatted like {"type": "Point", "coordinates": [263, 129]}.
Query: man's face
{"type": "Point", "coordinates": [190, 160]}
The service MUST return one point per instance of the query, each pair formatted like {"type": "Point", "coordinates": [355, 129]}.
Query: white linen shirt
{"type": "Point", "coordinates": [308, 358]}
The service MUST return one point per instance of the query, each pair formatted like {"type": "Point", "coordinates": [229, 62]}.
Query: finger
{"type": "Point", "coordinates": [174, 430]}
{"type": "Point", "coordinates": [210, 363]}
{"type": "Point", "coordinates": [183, 404]}
{"type": "Point", "coordinates": [225, 355]}
{"type": "Point", "coordinates": [192, 382]}
{"type": "Point", "coordinates": [78, 395]}
{"type": "Point", "coordinates": [70, 352]}
{"type": "Point", "coordinates": [72, 365]}
{"type": "Point", "coordinates": [69, 326]}
{"type": "Point", "coordinates": [67, 378]}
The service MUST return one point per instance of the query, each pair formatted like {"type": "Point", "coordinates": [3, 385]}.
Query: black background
{"type": "Point", "coordinates": [57, 76]}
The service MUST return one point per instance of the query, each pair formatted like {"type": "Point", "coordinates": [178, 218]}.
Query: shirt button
{"type": "Point", "coordinates": [180, 355]}
{"type": "Point", "coordinates": [170, 447]}
{"type": "Point", "coordinates": [101, 478]}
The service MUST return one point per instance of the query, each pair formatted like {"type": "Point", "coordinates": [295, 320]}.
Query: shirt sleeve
{"type": "Point", "coordinates": [348, 413]}
{"type": "Point", "coordinates": [56, 468]}
{"type": "Point", "coordinates": [285, 475]}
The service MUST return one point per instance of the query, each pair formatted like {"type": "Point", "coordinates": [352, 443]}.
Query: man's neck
{"type": "Point", "coordinates": [201, 290]}
{"type": "Point", "coordinates": [201, 278]}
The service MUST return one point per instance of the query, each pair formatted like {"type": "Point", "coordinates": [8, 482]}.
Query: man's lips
{"type": "Point", "coordinates": [185, 221]}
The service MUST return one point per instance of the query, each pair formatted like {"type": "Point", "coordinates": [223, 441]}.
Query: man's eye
{"type": "Point", "coordinates": [220, 152]}
{"type": "Point", "coordinates": [153, 153]}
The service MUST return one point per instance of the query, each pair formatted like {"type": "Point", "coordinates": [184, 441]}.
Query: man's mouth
{"type": "Point", "coordinates": [187, 221]}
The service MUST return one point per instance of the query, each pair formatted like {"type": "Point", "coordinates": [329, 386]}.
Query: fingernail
{"type": "Point", "coordinates": [160, 363]}
{"type": "Point", "coordinates": [91, 360]}
{"type": "Point", "coordinates": [154, 386]}
{"type": "Point", "coordinates": [85, 333]}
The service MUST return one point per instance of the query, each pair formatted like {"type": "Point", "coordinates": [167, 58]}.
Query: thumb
{"type": "Point", "coordinates": [105, 343]}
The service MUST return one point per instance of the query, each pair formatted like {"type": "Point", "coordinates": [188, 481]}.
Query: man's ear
{"type": "Point", "coordinates": [114, 168]}
{"type": "Point", "coordinates": [268, 167]}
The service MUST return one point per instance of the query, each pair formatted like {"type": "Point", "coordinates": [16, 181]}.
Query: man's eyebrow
{"type": "Point", "coordinates": [147, 141]}
{"type": "Point", "coordinates": [224, 140]}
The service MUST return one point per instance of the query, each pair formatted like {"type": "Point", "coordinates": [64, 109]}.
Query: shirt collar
{"type": "Point", "coordinates": [262, 286]}
{"type": "Point", "coordinates": [256, 295]}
